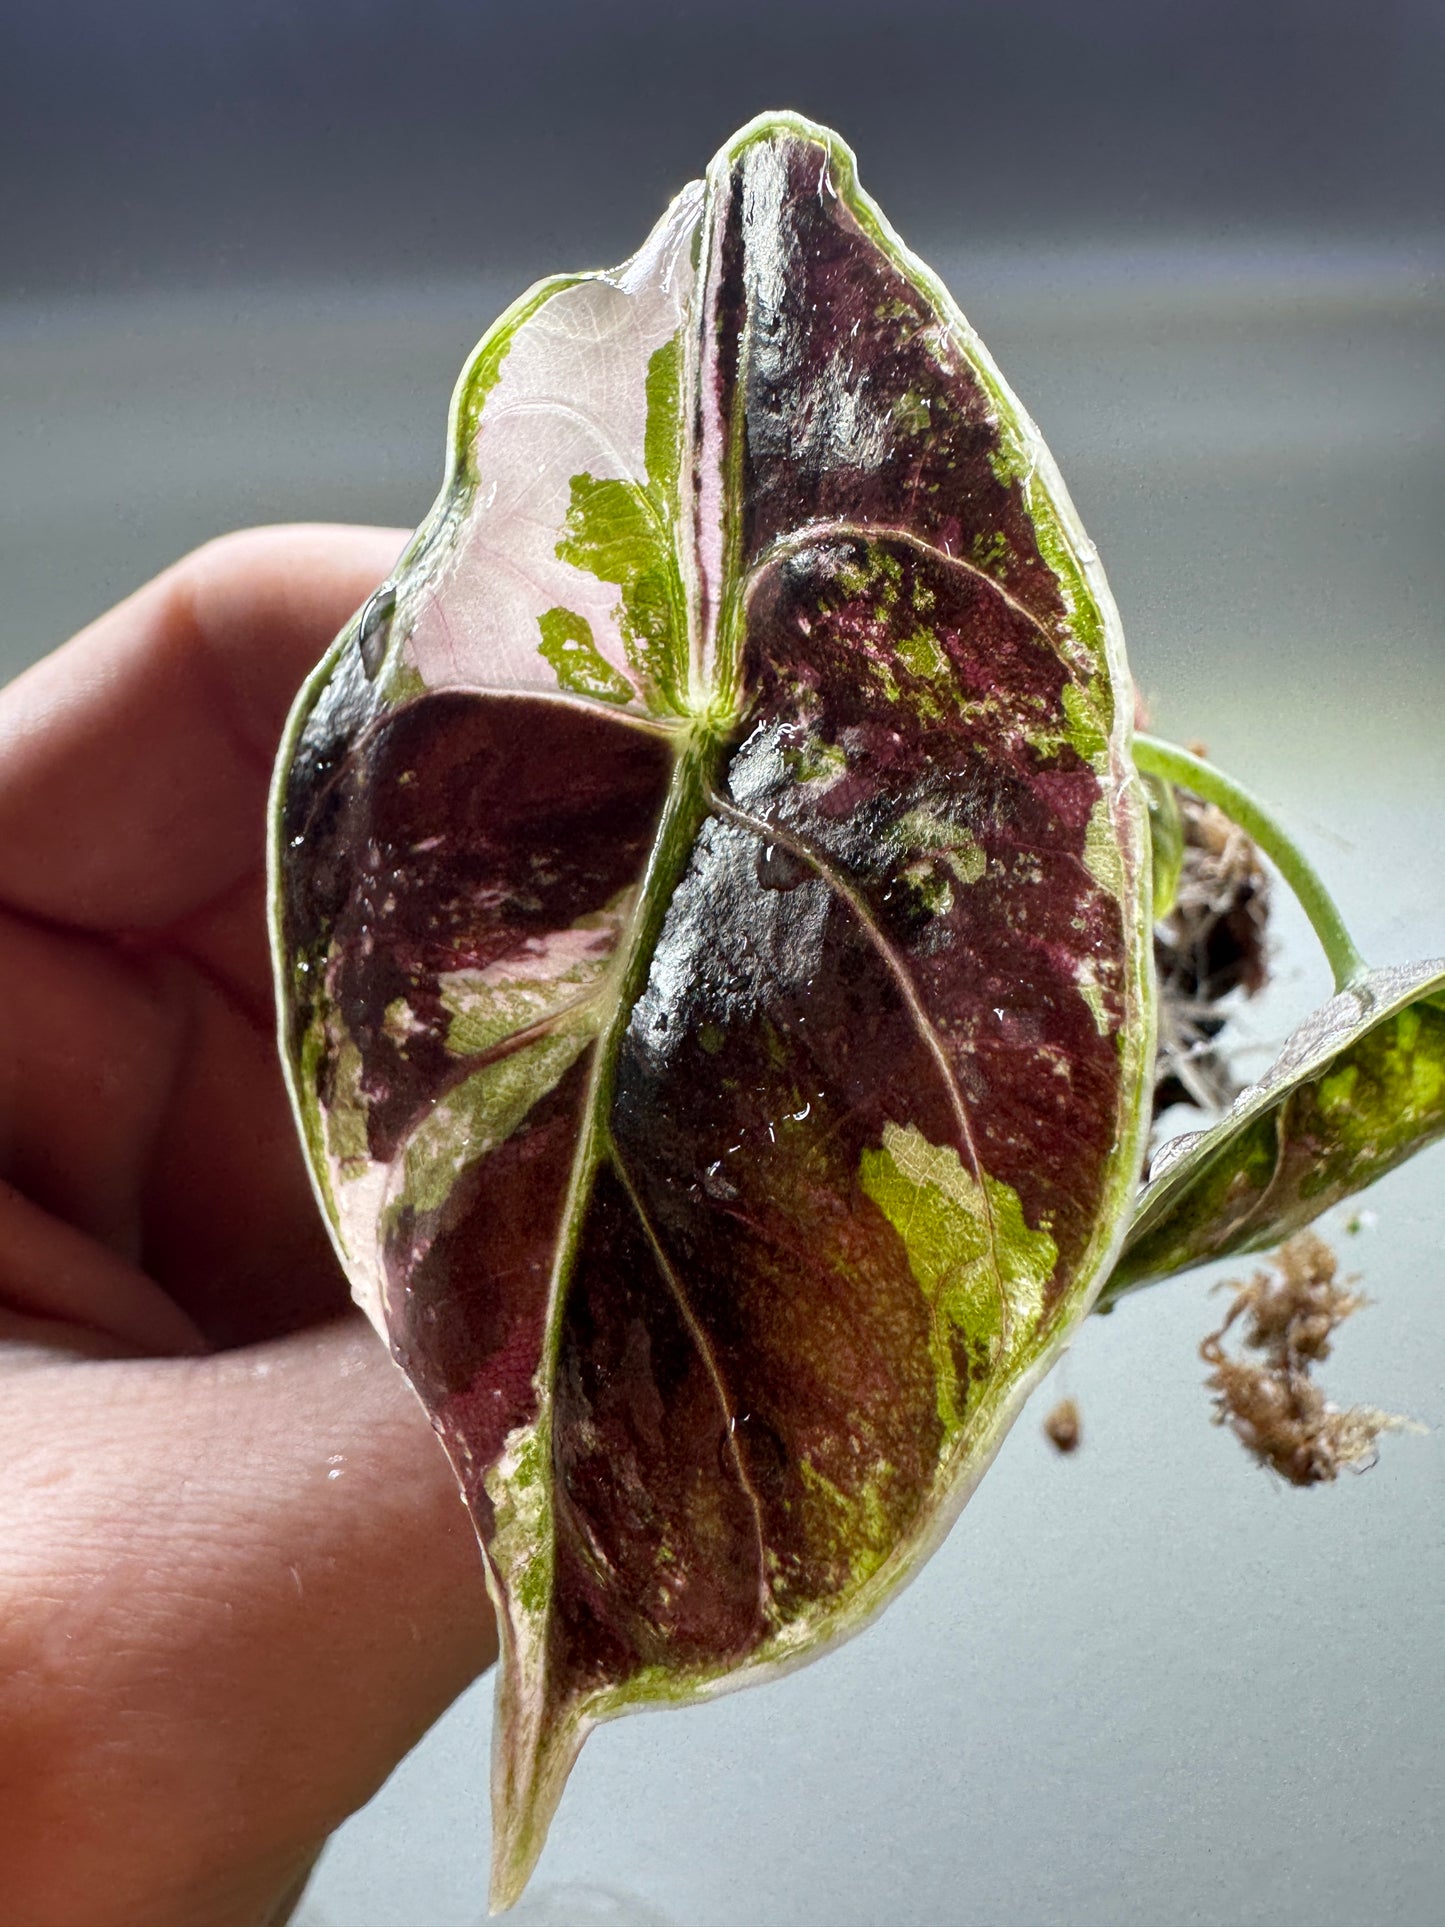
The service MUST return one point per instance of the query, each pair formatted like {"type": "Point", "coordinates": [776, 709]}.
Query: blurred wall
{"type": "Point", "coordinates": [222, 141]}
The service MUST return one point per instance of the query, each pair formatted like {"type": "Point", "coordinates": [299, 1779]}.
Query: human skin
{"type": "Point", "coordinates": [236, 1583]}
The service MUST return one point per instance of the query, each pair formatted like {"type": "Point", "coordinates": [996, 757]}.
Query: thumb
{"type": "Point", "coordinates": [234, 1591]}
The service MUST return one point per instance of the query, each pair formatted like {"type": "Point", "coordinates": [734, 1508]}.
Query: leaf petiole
{"type": "Point", "coordinates": [1173, 764]}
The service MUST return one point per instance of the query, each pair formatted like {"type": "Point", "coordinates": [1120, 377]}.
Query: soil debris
{"type": "Point", "coordinates": [1063, 1428]}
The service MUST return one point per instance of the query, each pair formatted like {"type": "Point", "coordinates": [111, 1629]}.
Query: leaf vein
{"type": "Point", "coordinates": [923, 1024]}
{"type": "Point", "coordinates": [711, 1366]}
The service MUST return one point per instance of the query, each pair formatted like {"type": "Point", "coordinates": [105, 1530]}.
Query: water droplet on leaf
{"type": "Point", "coordinates": [373, 632]}
{"type": "Point", "coordinates": [778, 869]}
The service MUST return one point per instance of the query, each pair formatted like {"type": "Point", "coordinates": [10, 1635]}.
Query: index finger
{"type": "Point", "coordinates": [135, 760]}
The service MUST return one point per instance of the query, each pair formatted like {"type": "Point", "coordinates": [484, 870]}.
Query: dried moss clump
{"type": "Point", "coordinates": [1210, 945]}
{"type": "Point", "coordinates": [1270, 1402]}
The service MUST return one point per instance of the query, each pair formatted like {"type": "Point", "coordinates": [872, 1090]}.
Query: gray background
{"type": "Point", "coordinates": [245, 250]}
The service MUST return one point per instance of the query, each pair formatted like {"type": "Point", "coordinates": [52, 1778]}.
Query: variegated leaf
{"type": "Point", "coordinates": [1358, 1088]}
{"type": "Point", "coordinates": [713, 946]}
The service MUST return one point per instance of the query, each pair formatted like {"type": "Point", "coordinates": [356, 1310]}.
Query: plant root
{"type": "Point", "coordinates": [1272, 1404]}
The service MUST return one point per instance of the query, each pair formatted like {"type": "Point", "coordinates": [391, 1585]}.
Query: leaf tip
{"type": "Point", "coordinates": [534, 1751]}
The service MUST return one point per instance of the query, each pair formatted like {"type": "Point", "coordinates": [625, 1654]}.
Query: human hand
{"type": "Point", "coordinates": [236, 1584]}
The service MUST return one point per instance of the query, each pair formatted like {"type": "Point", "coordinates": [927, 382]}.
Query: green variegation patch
{"type": "Point", "coordinates": [568, 646]}
{"type": "Point", "coordinates": [624, 532]}
{"type": "Point", "coordinates": [481, 1113]}
{"type": "Point", "coordinates": [981, 1268]}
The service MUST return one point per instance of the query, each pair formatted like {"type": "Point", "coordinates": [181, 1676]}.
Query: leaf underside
{"type": "Point", "coordinates": [1358, 1089]}
{"type": "Point", "coordinates": [712, 947]}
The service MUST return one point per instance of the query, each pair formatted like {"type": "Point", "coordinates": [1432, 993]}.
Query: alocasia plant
{"type": "Point", "coordinates": [713, 923]}
{"type": "Point", "coordinates": [1357, 1089]}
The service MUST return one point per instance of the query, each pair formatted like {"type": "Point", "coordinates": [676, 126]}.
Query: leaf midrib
{"type": "Point", "coordinates": [683, 813]}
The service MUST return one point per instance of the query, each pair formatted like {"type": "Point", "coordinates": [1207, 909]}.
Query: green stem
{"type": "Point", "coordinates": [1175, 765]}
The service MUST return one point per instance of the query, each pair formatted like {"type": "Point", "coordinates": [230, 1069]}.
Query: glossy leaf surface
{"type": "Point", "coordinates": [1359, 1087]}
{"type": "Point", "coordinates": [712, 933]}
